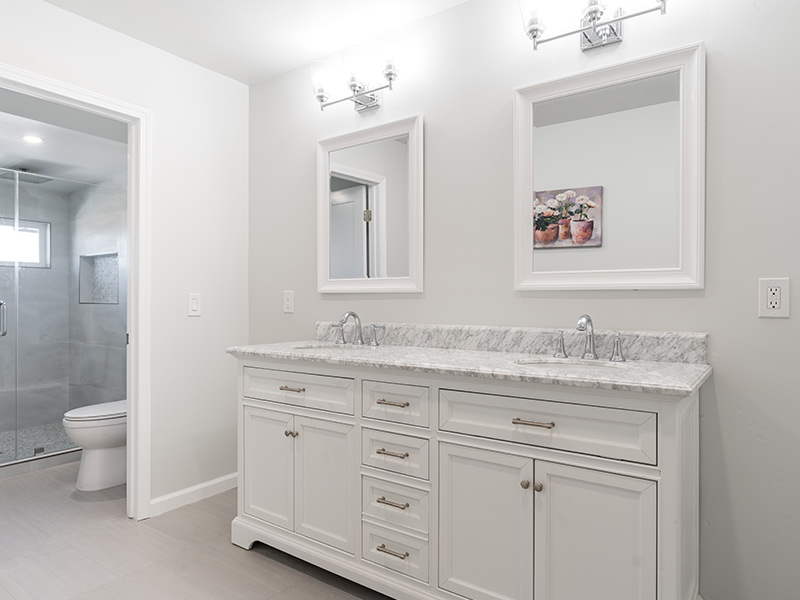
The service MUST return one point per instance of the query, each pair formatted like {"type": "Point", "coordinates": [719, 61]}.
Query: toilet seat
{"type": "Point", "coordinates": [98, 412]}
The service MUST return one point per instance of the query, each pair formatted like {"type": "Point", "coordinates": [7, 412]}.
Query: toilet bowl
{"type": "Point", "coordinates": [101, 431]}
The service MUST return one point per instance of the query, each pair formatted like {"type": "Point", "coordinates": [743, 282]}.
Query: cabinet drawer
{"type": "Point", "coordinates": [610, 432]}
{"type": "Point", "coordinates": [394, 503]}
{"type": "Point", "coordinates": [398, 453]}
{"type": "Point", "coordinates": [300, 389]}
{"type": "Point", "coordinates": [396, 402]}
{"type": "Point", "coordinates": [394, 550]}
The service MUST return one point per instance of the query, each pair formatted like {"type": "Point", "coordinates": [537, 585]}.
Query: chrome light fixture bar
{"type": "Point", "coordinates": [594, 31]}
{"type": "Point", "coordinates": [361, 97]}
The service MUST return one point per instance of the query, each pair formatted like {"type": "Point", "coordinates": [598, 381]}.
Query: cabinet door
{"type": "Point", "coordinates": [485, 523]}
{"type": "Point", "coordinates": [324, 481]}
{"type": "Point", "coordinates": [268, 460]}
{"type": "Point", "coordinates": [595, 535]}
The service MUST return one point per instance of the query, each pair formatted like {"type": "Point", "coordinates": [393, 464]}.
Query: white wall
{"type": "Point", "coordinates": [199, 213]}
{"type": "Point", "coordinates": [460, 72]}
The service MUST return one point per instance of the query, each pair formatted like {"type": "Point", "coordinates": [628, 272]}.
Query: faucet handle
{"type": "Point", "coordinates": [616, 351]}
{"type": "Point", "coordinates": [373, 335]}
{"type": "Point", "coordinates": [561, 350]}
{"type": "Point", "coordinates": [340, 327]}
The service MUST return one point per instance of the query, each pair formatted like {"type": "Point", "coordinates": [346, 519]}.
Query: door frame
{"type": "Point", "coordinates": [139, 122]}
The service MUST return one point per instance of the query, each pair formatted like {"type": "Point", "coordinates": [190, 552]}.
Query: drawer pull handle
{"type": "Point", "coordinates": [383, 500]}
{"type": "Point", "coordinates": [286, 388]}
{"type": "Point", "coordinates": [288, 433]}
{"type": "Point", "coordinates": [385, 550]}
{"type": "Point", "coordinates": [386, 452]}
{"type": "Point", "coordinates": [390, 403]}
{"type": "Point", "coordinates": [518, 421]}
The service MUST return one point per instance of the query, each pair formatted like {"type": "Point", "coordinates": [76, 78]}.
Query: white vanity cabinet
{"type": "Point", "coordinates": [431, 486]}
{"type": "Point", "coordinates": [297, 470]}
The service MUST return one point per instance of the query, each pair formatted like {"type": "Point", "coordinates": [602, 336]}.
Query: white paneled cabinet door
{"type": "Point", "coordinates": [595, 535]}
{"type": "Point", "coordinates": [485, 523]}
{"type": "Point", "coordinates": [324, 486]}
{"type": "Point", "coordinates": [268, 466]}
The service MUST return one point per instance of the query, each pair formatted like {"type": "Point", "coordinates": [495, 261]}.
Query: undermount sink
{"type": "Point", "coordinates": [328, 346]}
{"type": "Point", "coordinates": [570, 364]}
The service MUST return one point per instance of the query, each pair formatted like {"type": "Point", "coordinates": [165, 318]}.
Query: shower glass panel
{"type": "Point", "coordinates": [59, 353]}
{"type": "Point", "coordinates": [8, 318]}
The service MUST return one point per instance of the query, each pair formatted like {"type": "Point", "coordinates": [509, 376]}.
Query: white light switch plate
{"type": "Point", "coordinates": [193, 305]}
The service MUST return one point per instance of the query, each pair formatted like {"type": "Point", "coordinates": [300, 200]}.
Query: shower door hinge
{"type": "Point", "coordinates": [367, 216]}
{"type": "Point", "coordinates": [127, 339]}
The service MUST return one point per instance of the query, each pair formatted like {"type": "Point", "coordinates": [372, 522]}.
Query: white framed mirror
{"type": "Point", "coordinates": [370, 209]}
{"type": "Point", "coordinates": [610, 177]}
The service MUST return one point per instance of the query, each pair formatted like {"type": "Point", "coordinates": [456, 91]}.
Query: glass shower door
{"type": "Point", "coordinates": [43, 319]}
{"type": "Point", "coordinates": [35, 287]}
{"type": "Point", "coordinates": [8, 345]}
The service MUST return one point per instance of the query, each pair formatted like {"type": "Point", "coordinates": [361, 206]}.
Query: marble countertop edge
{"type": "Point", "coordinates": [671, 379]}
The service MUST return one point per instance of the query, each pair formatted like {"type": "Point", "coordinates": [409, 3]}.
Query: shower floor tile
{"type": "Point", "coordinates": [21, 445]}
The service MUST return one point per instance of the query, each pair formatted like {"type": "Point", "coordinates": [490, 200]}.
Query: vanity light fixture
{"type": "Point", "coordinates": [32, 139]}
{"type": "Point", "coordinates": [594, 32]}
{"type": "Point", "coordinates": [361, 97]}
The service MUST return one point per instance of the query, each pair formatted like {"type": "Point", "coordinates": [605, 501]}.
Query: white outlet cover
{"type": "Point", "coordinates": [764, 286]}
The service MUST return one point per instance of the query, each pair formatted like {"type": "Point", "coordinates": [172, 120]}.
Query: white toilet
{"type": "Point", "coordinates": [100, 429]}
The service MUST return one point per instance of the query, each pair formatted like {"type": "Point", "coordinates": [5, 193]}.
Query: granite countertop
{"type": "Point", "coordinates": [657, 377]}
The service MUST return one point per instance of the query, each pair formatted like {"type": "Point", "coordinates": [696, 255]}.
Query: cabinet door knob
{"type": "Point", "coordinates": [287, 433]}
{"type": "Point", "coordinates": [538, 487]}
{"type": "Point", "coordinates": [525, 484]}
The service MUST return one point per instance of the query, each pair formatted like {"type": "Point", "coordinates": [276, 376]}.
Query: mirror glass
{"type": "Point", "coordinates": [609, 177]}
{"type": "Point", "coordinates": [370, 209]}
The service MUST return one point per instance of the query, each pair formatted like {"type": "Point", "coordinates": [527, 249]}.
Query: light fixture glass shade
{"type": "Point", "coordinates": [530, 14]}
{"type": "Point", "coordinates": [321, 77]}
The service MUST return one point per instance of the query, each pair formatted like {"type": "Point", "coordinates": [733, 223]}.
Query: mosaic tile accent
{"type": "Point", "coordinates": [51, 437]}
{"type": "Point", "coordinates": [99, 279]}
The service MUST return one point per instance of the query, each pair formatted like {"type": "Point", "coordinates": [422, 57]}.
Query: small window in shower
{"type": "Point", "coordinates": [28, 245]}
{"type": "Point", "coordinates": [99, 279]}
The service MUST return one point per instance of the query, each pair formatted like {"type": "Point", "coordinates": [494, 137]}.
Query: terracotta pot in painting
{"type": "Point", "coordinates": [545, 237]}
{"type": "Point", "coordinates": [563, 229]}
{"type": "Point", "coordinates": [581, 231]}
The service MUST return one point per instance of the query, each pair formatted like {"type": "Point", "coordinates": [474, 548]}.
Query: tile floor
{"type": "Point", "coordinates": [60, 544]}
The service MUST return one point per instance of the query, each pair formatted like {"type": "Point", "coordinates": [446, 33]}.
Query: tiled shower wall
{"type": "Point", "coordinates": [97, 348]}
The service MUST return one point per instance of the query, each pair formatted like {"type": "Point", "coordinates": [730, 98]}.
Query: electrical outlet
{"type": "Point", "coordinates": [773, 298]}
{"type": "Point", "coordinates": [288, 301]}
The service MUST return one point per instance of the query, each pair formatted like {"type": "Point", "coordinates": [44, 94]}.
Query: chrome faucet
{"type": "Point", "coordinates": [585, 324]}
{"type": "Point", "coordinates": [358, 339]}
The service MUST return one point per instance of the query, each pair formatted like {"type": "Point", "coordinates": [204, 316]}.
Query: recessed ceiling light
{"type": "Point", "coordinates": [33, 139]}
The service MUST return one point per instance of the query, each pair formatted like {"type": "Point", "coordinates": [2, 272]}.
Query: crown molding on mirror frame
{"type": "Point", "coordinates": [413, 283]}
{"type": "Point", "coordinates": [689, 62]}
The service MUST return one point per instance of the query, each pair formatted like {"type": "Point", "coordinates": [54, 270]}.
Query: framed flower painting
{"type": "Point", "coordinates": [568, 218]}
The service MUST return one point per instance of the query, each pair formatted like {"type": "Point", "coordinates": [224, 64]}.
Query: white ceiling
{"type": "Point", "coordinates": [247, 40]}
{"type": "Point", "coordinates": [254, 40]}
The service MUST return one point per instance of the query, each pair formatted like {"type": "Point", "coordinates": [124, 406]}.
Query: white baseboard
{"type": "Point", "coordinates": [192, 494]}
